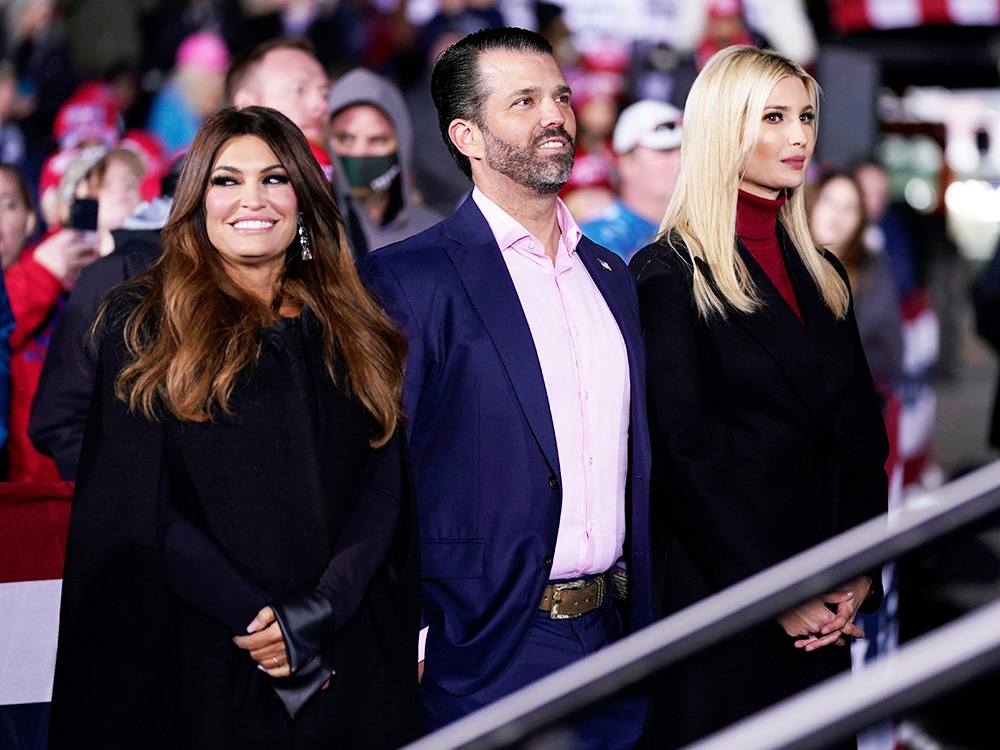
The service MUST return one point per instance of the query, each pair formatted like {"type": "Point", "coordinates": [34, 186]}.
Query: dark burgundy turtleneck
{"type": "Point", "coordinates": [756, 220]}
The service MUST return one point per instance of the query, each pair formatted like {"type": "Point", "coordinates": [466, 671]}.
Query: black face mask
{"type": "Point", "coordinates": [371, 173]}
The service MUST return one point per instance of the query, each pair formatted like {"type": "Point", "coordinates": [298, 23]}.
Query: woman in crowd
{"type": "Point", "coordinates": [765, 425]}
{"type": "Point", "coordinates": [837, 220]}
{"type": "Point", "coordinates": [38, 280]}
{"type": "Point", "coordinates": [242, 528]}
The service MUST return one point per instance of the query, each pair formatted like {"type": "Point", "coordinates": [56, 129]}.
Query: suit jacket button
{"type": "Point", "coordinates": [554, 482]}
{"type": "Point", "coordinates": [547, 562]}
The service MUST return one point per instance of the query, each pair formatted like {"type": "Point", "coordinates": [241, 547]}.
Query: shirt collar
{"type": "Point", "coordinates": [507, 230]}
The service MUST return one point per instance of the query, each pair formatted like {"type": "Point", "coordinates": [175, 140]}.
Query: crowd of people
{"type": "Point", "coordinates": [409, 378]}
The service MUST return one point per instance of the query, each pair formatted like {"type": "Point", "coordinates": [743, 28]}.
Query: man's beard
{"type": "Point", "coordinates": [544, 175]}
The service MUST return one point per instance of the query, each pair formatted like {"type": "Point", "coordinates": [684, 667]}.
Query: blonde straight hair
{"type": "Point", "coordinates": [722, 120]}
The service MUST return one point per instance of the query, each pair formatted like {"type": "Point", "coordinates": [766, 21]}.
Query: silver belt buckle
{"type": "Point", "coordinates": [558, 588]}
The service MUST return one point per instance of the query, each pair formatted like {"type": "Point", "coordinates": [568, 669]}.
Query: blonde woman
{"type": "Point", "coordinates": [240, 570]}
{"type": "Point", "coordinates": [765, 425]}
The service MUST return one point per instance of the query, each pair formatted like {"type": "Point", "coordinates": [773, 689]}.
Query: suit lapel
{"type": "Point", "coordinates": [596, 262]}
{"type": "Point", "coordinates": [600, 271]}
{"type": "Point", "coordinates": [822, 328]}
{"type": "Point", "coordinates": [778, 330]}
{"type": "Point", "coordinates": [487, 282]}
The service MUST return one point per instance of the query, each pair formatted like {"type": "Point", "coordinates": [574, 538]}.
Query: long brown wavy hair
{"type": "Point", "coordinates": [194, 330]}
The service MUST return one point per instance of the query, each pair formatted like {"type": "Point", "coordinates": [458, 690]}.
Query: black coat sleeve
{"type": "Point", "coordinates": [309, 619]}
{"type": "Point", "coordinates": [200, 574]}
{"type": "Point", "coordinates": [59, 409]}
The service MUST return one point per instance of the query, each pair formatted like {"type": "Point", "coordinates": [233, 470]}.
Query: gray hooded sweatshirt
{"type": "Point", "coordinates": [361, 86]}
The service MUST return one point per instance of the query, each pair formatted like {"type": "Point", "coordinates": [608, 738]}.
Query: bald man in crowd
{"type": "Point", "coordinates": [285, 75]}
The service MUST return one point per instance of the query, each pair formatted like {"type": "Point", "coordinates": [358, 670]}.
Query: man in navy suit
{"type": "Point", "coordinates": [525, 396]}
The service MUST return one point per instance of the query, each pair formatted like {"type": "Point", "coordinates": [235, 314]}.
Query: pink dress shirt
{"type": "Point", "coordinates": [585, 367]}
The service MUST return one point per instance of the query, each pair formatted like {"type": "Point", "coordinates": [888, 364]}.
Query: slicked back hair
{"type": "Point", "coordinates": [456, 82]}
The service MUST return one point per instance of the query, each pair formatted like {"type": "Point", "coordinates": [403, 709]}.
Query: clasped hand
{"type": "Point", "coordinates": [266, 645]}
{"type": "Point", "coordinates": [814, 625]}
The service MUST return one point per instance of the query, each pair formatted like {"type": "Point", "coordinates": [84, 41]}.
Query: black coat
{"type": "Point", "coordinates": [59, 409]}
{"type": "Point", "coordinates": [767, 440]}
{"type": "Point", "coordinates": [274, 487]}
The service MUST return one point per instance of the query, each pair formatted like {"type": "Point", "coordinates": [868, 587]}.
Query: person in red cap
{"type": "Point", "coordinates": [90, 117]}
{"type": "Point", "coordinates": [38, 280]}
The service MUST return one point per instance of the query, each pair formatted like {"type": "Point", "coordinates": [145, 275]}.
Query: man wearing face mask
{"type": "Point", "coordinates": [371, 136]}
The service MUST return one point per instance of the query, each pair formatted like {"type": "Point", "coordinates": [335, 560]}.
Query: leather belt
{"type": "Point", "coordinates": [569, 599]}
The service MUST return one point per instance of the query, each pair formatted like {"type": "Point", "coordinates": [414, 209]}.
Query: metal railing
{"type": "Point", "coordinates": [837, 708]}
{"type": "Point", "coordinates": [750, 602]}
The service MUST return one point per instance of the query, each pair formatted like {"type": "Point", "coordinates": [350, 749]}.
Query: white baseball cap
{"type": "Point", "coordinates": [648, 123]}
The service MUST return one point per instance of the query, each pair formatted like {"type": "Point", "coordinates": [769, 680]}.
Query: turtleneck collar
{"type": "Point", "coordinates": [756, 217]}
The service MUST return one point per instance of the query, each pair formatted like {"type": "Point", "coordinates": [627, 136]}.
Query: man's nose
{"type": "Point", "coordinates": [317, 103]}
{"type": "Point", "coordinates": [552, 114]}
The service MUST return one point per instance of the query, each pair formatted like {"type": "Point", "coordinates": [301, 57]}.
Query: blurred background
{"type": "Point", "coordinates": [911, 107]}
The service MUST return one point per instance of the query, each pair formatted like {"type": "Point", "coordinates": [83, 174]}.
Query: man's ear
{"type": "Point", "coordinates": [468, 138]}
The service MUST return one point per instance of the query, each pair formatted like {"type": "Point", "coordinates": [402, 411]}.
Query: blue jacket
{"type": "Point", "coordinates": [483, 444]}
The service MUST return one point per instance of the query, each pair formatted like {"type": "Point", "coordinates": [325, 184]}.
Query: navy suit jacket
{"type": "Point", "coordinates": [483, 445]}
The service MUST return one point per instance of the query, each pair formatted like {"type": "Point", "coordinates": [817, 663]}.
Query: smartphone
{"type": "Point", "coordinates": [83, 214]}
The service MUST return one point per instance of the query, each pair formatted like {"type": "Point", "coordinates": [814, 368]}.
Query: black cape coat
{"type": "Point", "coordinates": [767, 439]}
{"type": "Point", "coordinates": [272, 487]}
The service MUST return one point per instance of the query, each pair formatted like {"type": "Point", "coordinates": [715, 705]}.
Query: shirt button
{"type": "Point", "coordinates": [554, 482]}
{"type": "Point", "coordinates": [531, 245]}
{"type": "Point", "coordinates": [586, 395]}
{"type": "Point", "coordinates": [591, 460]}
{"type": "Point", "coordinates": [547, 562]}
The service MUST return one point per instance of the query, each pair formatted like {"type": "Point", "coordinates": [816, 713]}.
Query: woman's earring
{"type": "Point", "coordinates": [304, 239]}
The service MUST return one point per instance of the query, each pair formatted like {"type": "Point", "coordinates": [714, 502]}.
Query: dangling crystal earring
{"type": "Point", "coordinates": [304, 239]}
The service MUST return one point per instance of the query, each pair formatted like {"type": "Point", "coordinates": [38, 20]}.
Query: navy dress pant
{"type": "Point", "coordinates": [549, 645]}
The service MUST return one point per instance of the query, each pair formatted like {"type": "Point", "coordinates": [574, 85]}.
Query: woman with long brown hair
{"type": "Point", "coordinates": [837, 219]}
{"type": "Point", "coordinates": [241, 568]}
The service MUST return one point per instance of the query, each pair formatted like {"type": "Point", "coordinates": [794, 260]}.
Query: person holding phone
{"type": "Point", "coordinates": [38, 280]}
{"type": "Point", "coordinates": [97, 192]}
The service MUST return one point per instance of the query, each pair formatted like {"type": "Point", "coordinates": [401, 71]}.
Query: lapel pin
{"type": "Point", "coordinates": [604, 265]}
